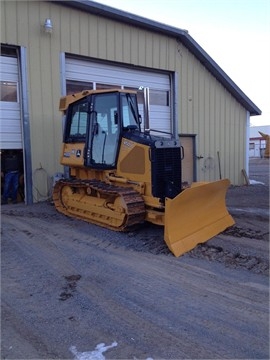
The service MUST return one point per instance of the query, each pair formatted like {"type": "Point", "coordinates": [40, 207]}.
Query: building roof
{"type": "Point", "coordinates": [180, 34]}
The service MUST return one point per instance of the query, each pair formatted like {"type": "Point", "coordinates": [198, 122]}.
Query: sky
{"type": "Point", "coordinates": [234, 33]}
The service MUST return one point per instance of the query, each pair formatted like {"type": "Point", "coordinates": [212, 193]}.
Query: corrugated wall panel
{"type": "Point", "coordinates": [75, 39]}
{"type": "Point", "coordinates": [205, 107]}
{"type": "Point", "coordinates": [64, 29]}
{"type": "Point", "coordinates": [10, 15]}
{"type": "Point", "coordinates": [148, 49]}
{"type": "Point", "coordinates": [3, 21]}
{"type": "Point", "coordinates": [141, 49]}
{"type": "Point", "coordinates": [38, 71]}
{"type": "Point", "coordinates": [22, 22]}
{"type": "Point", "coordinates": [127, 45]}
{"type": "Point", "coordinates": [208, 110]}
{"type": "Point", "coordinates": [224, 153]}
{"type": "Point", "coordinates": [212, 118]}
{"type": "Point", "coordinates": [119, 36]}
{"type": "Point", "coordinates": [183, 126]}
{"type": "Point", "coordinates": [190, 98]}
{"type": "Point", "coordinates": [83, 34]}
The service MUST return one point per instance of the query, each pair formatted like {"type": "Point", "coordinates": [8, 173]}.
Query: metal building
{"type": "Point", "coordinates": [51, 48]}
{"type": "Point", "coordinates": [257, 143]}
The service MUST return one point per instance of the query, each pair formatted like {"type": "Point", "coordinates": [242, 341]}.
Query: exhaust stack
{"type": "Point", "coordinates": [146, 109]}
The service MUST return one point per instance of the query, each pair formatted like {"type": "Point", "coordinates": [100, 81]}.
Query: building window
{"type": "Point", "coordinates": [8, 51]}
{"type": "Point", "coordinates": [73, 87]}
{"type": "Point", "coordinates": [251, 146]}
{"type": "Point", "coordinates": [159, 97]}
{"type": "Point", "coordinates": [140, 99]}
{"type": "Point", "coordinates": [156, 97]}
{"type": "Point", "coordinates": [106, 86]}
{"type": "Point", "coordinates": [9, 91]}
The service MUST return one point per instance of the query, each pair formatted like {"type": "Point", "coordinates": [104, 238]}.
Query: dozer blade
{"type": "Point", "coordinates": [196, 215]}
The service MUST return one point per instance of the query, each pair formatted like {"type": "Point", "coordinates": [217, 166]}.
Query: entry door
{"type": "Point", "coordinates": [188, 174]}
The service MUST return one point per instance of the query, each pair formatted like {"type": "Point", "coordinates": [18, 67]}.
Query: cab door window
{"type": "Point", "coordinates": [105, 129]}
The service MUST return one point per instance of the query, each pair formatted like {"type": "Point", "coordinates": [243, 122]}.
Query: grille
{"type": "Point", "coordinates": [166, 172]}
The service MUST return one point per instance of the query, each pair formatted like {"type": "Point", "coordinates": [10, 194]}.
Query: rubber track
{"type": "Point", "coordinates": [135, 205]}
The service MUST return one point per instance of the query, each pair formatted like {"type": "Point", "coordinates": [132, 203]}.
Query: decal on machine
{"type": "Point", "coordinates": [128, 144]}
{"type": "Point", "coordinates": [73, 152]}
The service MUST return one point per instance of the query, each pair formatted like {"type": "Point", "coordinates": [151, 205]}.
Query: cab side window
{"type": "Point", "coordinates": [77, 128]}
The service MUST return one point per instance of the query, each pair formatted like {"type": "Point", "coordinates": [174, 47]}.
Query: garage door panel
{"type": "Point", "coordinates": [160, 116]}
{"type": "Point", "coordinates": [13, 126]}
{"type": "Point", "coordinates": [11, 140]}
{"type": "Point", "coordinates": [106, 71]}
{"type": "Point", "coordinates": [11, 137]}
{"type": "Point", "coordinates": [10, 111]}
{"type": "Point", "coordinates": [13, 143]}
{"type": "Point", "coordinates": [9, 68]}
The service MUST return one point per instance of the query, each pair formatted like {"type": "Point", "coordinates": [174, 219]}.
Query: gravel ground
{"type": "Point", "coordinates": [71, 290]}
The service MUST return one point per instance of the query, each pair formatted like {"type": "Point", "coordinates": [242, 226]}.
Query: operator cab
{"type": "Point", "coordinates": [99, 120]}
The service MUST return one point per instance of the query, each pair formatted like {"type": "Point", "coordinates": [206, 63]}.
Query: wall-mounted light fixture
{"type": "Point", "coordinates": [48, 26]}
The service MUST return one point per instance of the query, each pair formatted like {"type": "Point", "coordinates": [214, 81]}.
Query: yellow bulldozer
{"type": "Point", "coordinates": [121, 176]}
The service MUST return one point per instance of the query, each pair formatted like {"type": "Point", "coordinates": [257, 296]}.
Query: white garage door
{"type": "Point", "coordinates": [10, 114]}
{"type": "Point", "coordinates": [99, 75]}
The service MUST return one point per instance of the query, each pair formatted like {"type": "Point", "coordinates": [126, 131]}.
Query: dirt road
{"type": "Point", "coordinates": [68, 286]}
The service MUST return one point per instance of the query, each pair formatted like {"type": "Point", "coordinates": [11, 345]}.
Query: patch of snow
{"type": "Point", "coordinates": [254, 182]}
{"type": "Point", "coordinates": [253, 211]}
{"type": "Point", "coordinates": [96, 354]}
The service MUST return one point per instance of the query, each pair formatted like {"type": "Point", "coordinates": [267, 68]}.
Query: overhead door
{"type": "Point", "coordinates": [81, 74]}
{"type": "Point", "coordinates": [10, 114]}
